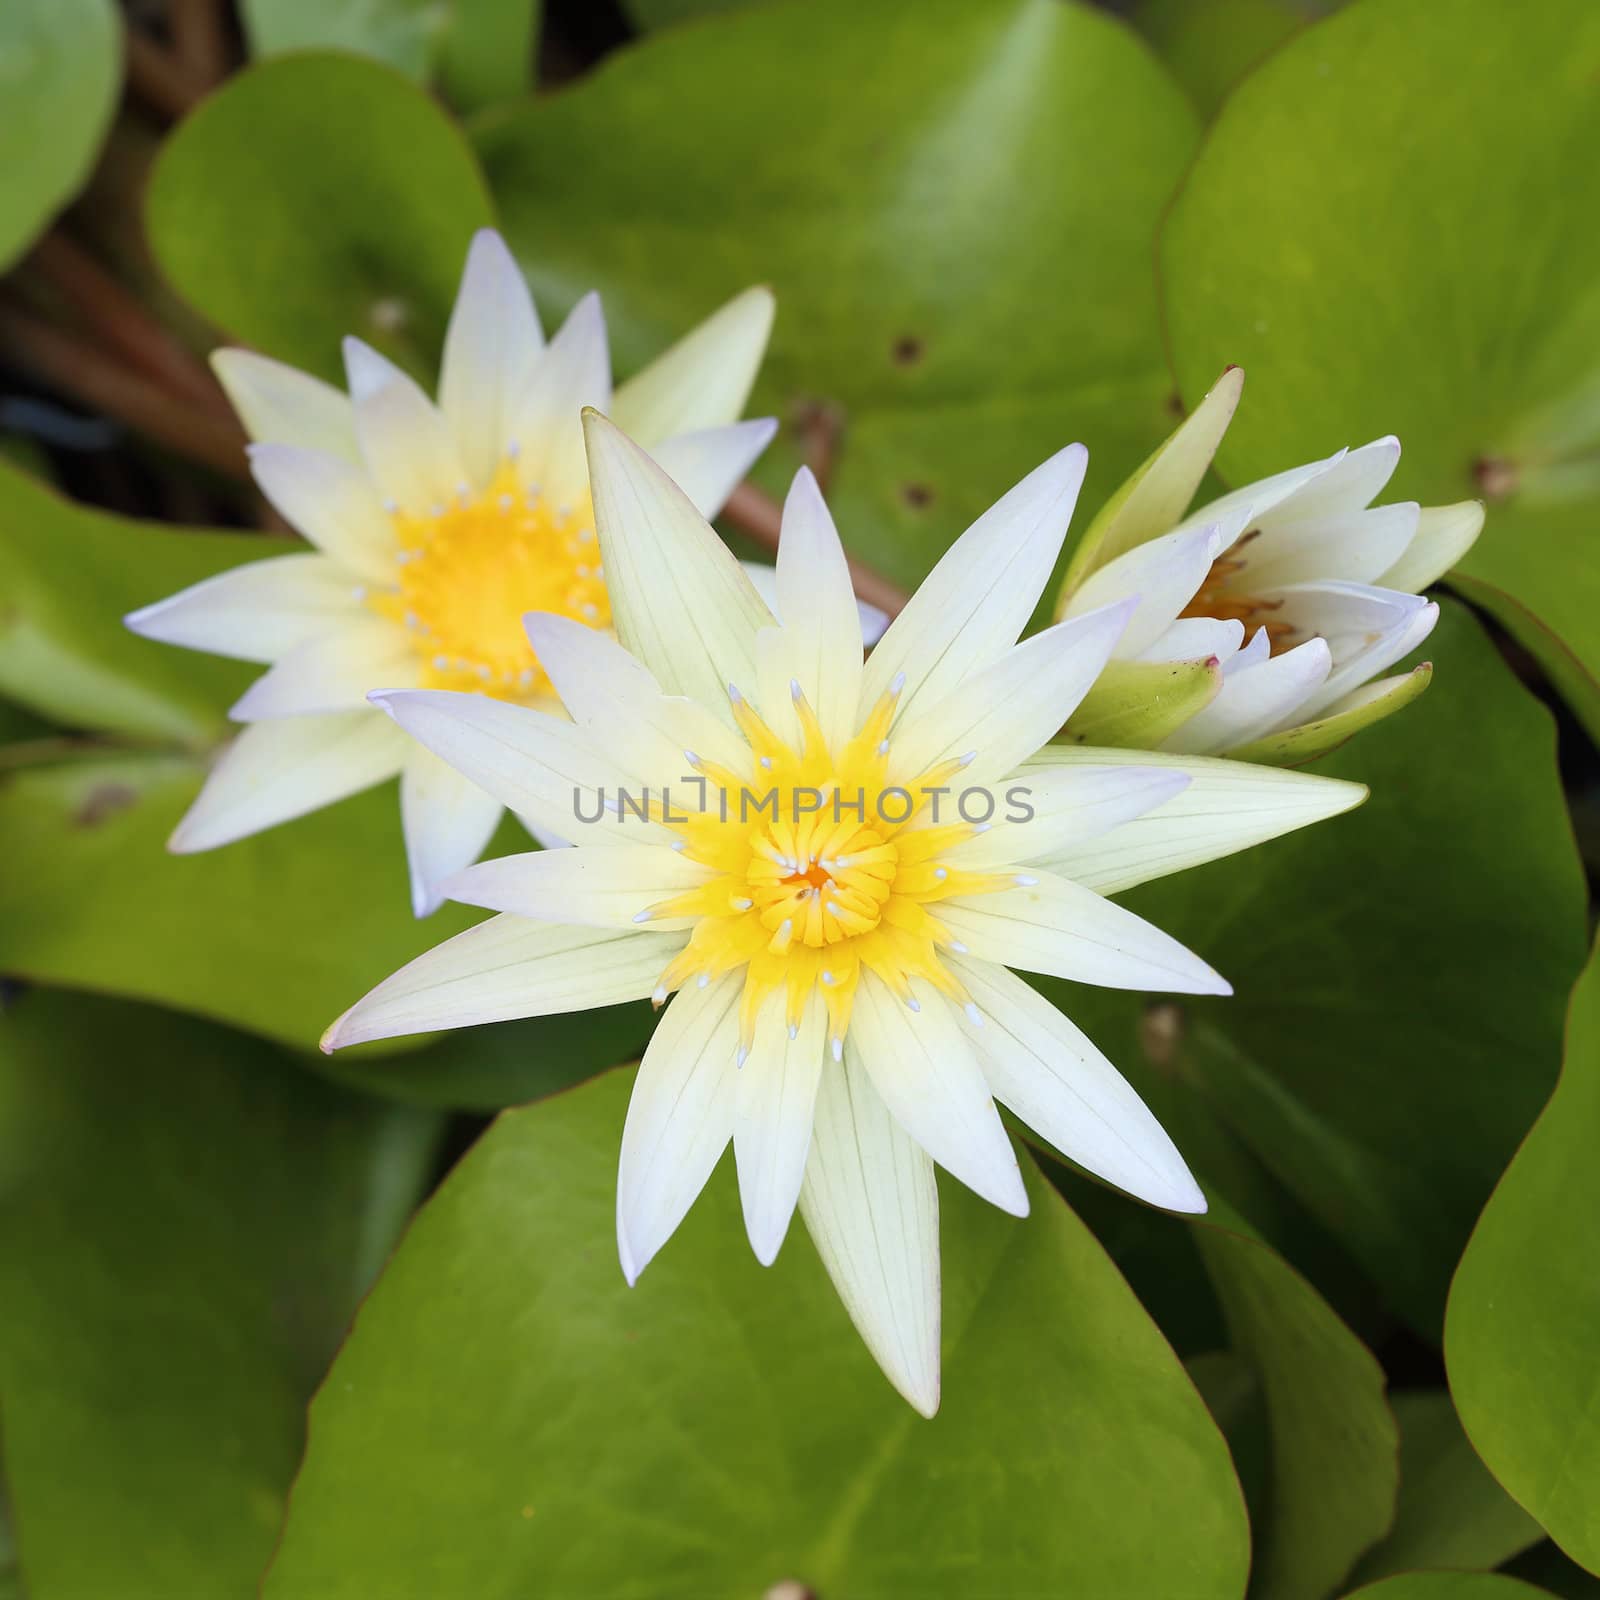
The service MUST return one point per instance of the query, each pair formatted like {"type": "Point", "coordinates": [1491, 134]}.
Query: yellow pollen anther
{"type": "Point", "coordinates": [467, 575]}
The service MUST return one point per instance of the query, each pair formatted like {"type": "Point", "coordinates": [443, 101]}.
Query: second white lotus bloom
{"type": "Point", "coordinates": [1264, 616]}
{"type": "Point", "coordinates": [434, 528]}
{"type": "Point", "coordinates": [844, 1013]}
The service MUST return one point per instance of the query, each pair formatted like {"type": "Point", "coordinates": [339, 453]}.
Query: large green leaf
{"type": "Point", "coordinates": [953, 199]}
{"type": "Point", "coordinates": [1520, 1340]}
{"type": "Point", "coordinates": [188, 1225]}
{"type": "Point", "coordinates": [67, 577]}
{"type": "Point", "coordinates": [1448, 1586]}
{"type": "Point", "coordinates": [314, 197]}
{"type": "Point", "coordinates": [1381, 230]}
{"type": "Point", "coordinates": [60, 66]}
{"type": "Point", "coordinates": [1451, 1512]}
{"type": "Point", "coordinates": [720, 1428]}
{"type": "Point", "coordinates": [1211, 47]}
{"type": "Point", "coordinates": [1399, 976]}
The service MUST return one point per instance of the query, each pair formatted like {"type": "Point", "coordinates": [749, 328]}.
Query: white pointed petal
{"type": "Point", "coordinates": [871, 1206]}
{"type": "Point", "coordinates": [1255, 700]}
{"type": "Point", "coordinates": [541, 766]}
{"type": "Point", "coordinates": [503, 969]}
{"type": "Point", "coordinates": [573, 371]}
{"type": "Point", "coordinates": [680, 1117]}
{"type": "Point", "coordinates": [405, 441]}
{"type": "Point", "coordinates": [1152, 501]}
{"type": "Point", "coordinates": [447, 821]}
{"type": "Point", "coordinates": [1051, 925]}
{"type": "Point", "coordinates": [1257, 500]}
{"type": "Point", "coordinates": [256, 612]}
{"type": "Point", "coordinates": [922, 1065]}
{"type": "Point", "coordinates": [1004, 712]}
{"type": "Point", "coordinates": [1444, 535]}
{"type": "Point", "coordinates": [274, 771]}
{"type": "Point", "coordinates": [1225, 807]}
{"type": "Point", "coordinates": [682, 603]}
{"type": "Point", "coordinates": [1196, 638]}
{"type": "Point", "coordinates": [1377, 655]}
{"type": "Point", "coordinates": [1064, 808]}
{"type": "Point", "coordinates": [1052, 1076]}
{"type": "Point", "coordinates": [333, 671]}
{"type": "Point", "coordinates": [1354, 481]}
{"type": "Point", "coordinates": [709, 465]}
{"type": "Point", "coordinates": [489, 350]}
{"type": "Point", "coordinates": [704, 380]}
{"type": "Point", "coordinates": [1346, 546]}
{"type": "Point", "coordinates": [332, 502]}
{"type": "Point", "coordinates": [972, 607]}
{"type": "Point", "coordinates": [772, 1129]}
{"type": "Point", "coordinates": [612, 887]}
{"type": "Point", "coordinates": [281, 405]}
{"type": "Point", "coordinates": [764, 577]}
{"type": "Point", "coordinates": [1161, 576]}
{"type": "Point", "coordinates": [822, 636]}
{"type": "Point", "coordinates": [606, 689]}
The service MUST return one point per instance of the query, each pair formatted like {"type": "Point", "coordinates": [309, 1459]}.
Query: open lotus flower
{"type": "Point", "coordinates": [1264, 615]}
{"type": "Point", "coordinates": [837, 939]}
{"type": "Point", "coordinates": [435, 527]}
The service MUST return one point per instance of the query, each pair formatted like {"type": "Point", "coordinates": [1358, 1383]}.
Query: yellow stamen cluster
{"type": "Point", "coordinates": [824, 868]}
{"type": "Point", "coordinates": [467, 575]}
{"type": "Point", "coordinates": [1222, 598]}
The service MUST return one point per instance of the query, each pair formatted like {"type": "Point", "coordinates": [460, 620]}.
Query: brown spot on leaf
{"type": "Point", "coordinates": [907, 350]}
{"type": "Point", "coordinates": [1175, 404]}
{"type": "Point", "coordinates": [919, 496]}
{"type": "Point", "coordinates": [102, 803]}
{"type": "Point", "coordinates": [1161, 1033]}
{"type": "Point", "coordinates": [1496, 477]}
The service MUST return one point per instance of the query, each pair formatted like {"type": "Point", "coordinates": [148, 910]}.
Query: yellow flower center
{"type": "Point", "coordinates": [468, 574]}
{"type": "Point", "coordinates": [1223, 598]}
{"type": "Point", "coordinates": [823, 868]}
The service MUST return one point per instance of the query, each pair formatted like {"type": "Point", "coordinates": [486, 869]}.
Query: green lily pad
{"type": "Point", "coordinates": [1400, 969]}
{"type": "Point", "coordinates": [1312, 244]}
{"type": "Point", "coordinates": [1451, 1512]}
{"type": "Point", "coordinates": [188, 1225]}
{"type": "Point", "coordinates": [67, 577]}
{"type": "Point", "coordinates": [1520, 1339]}
{"type": "Point", "coordinates": [314, 197]}
{"type": "Point", "coordinates": [60, 70]}
{"type": "Point", "coordinates": [1448, 1586]}
{"type": "Point", "coordinates": [720, 1429]}
{"type": "Point", "coordinates": [927, 230]}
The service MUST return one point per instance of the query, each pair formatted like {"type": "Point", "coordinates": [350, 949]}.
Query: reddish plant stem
{"type": "Point", "coordinates": [87, 375]}
{"type": "Point", "coordinates": [199, 40]}
{"type": "Point", "coordinates": [118, 318]}
{"type": "Point", "coordinates": [157, 78]}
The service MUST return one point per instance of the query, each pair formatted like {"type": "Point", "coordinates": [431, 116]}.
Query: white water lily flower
{"type": "Point", "coordinates": [843, 1011]}
{"type": "Point", "coordinates": [436, 527]}
{"type": "Point", "coordinates": [1286, 597]}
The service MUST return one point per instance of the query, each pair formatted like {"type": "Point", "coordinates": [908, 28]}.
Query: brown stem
{"type": "Point", "coordinates": [199, 40]}
{"type": "Point", "coordinates": [83, 372]}
{"type": "Point", "coordinates": [119, 319]}
{"type": "Point", "coordinates": [757, 514]}
{"type": "Point", "coordinates": [157, 78]}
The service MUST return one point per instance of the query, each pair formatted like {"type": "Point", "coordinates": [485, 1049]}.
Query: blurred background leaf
{"type": "Point", "coordinates": [1411, 261]}
{"type": "Point", "coordinates": [188, 1225]}
{"type": "Point", "coordinates": [60, 65]}
{"type": "Point", "coordinates": [720, 1429]}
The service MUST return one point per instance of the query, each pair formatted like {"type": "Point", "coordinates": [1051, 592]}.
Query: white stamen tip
{"type": "Point", "coordinates": [883, 747]}
{"type": "Point", "coordinates": [838, 1049]}
{"type": "Point", "coordinates": [794, 1030]}
{"type": "Point", "coordinates": [982, 827]}
{"type": "Point", "coordinates": [658, 994]}
{"type": "Point", "coordinates": [513, 450]}
{"type": "Point", "coordinates": [641, 916]}
{"type": "Point", "coordinates": [703, 981]}
{"type": "Point", "coordinates": [742, 904]}
{"type": "Point", "coordinates": [506, 502]}
{"type": "Point", "coordinates": [766, 761]}
{"type": "Point", "coordinates": [734, 695]}
{"type": "Point", "coordinates": [827, 977]}
{"type": "Point", "coordinates": [941, 873]}
{"type": "Point", "coordinates": [957, 947]}
{"type": "Point", "coordinates": [974, 1015]}
{"type": "Point", "coordinates": [590, 612]}
{"type": "Point", "coordinates": [691, 758]}
{"type": "Point", "coordinates": [795, 692]}
{"type": "Point", "coordinates": [969, 758]}
{"type": "Point", "coordinates": [741, 1056]}
{"type": "Point", "coordinates": [680, 844]}
{"type": "Point", "coordinates": [441, 663]}
{"type": "Point", "coordinates": [786, 927]}
{"type": "Point", "coordinates": [913, 1003]}
{"type": "Point", "coordinates": [897, 683]}
{"type": "Point", "coordinates": [1026, 880]}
